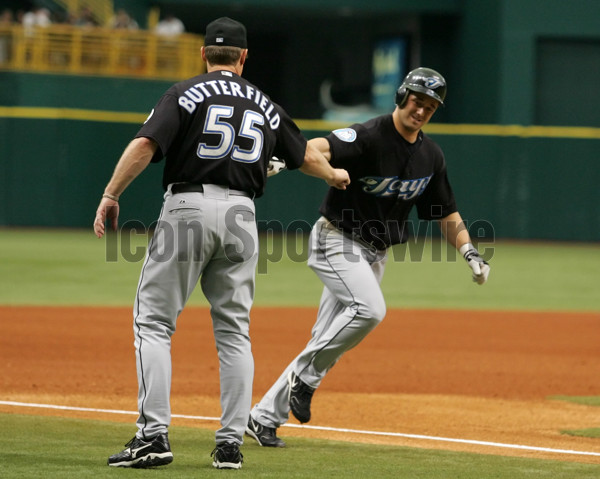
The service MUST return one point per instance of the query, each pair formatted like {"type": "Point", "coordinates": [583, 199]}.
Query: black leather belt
{"type": "Point", "coordinates": [378, 245]}
{"type": "Point", "coordinates": [194, 188]}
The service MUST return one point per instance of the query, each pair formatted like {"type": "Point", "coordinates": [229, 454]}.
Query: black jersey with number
{"type": "Point", "coordinates": [389, 176]}
{"type": "Point", "coordinates": [218, 128]}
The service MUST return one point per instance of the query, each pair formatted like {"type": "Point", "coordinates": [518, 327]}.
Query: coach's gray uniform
{"type": "Point", "coordinates": [194, 227]}
{"type": "Point", "coordinates": [217, 132]}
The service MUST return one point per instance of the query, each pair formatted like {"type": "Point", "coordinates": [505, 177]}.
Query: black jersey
{"type": "Point", "coordinates": [389, 176]}
{"type": "Point", "coordinates": [218, 128]}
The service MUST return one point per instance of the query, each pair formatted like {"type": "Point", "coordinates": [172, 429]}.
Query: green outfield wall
{"type": "Point", "coordinates": [521, 130]}
{"type": "Point", "coordinates": [510, 181]}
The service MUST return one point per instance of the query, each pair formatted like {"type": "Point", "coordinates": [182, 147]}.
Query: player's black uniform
{"type": "Point", "coordinates": [208, 140]}
{"type": "Point", "coordinates": [397, 176]}
{"type": "Point", "coordinates": [389, 176]}
{"type": "Point", "coordinates": [348, 244]}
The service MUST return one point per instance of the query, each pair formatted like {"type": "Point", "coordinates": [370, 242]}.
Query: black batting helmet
{"type": "Point", "coordinates": [422, 80]}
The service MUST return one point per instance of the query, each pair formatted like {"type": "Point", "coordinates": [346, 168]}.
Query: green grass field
{"type": "Point", "coordinates": [63, 267]}
{"type": "Point", "coordinates": [57, 267]}
{"type": "Point", "coordinates": [48, 447]}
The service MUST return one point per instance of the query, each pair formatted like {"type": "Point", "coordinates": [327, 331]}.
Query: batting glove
{"type": "Point", "coordinates": [275, 166]}
{"type": "Point", "coordinates": [481, 269]}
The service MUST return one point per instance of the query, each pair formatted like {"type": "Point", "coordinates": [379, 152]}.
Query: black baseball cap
{"type": "Point", "coordinates": [225, 32]}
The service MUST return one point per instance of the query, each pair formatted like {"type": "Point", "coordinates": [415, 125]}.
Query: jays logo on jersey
{"type": "Point", "coordinates": [393, 186]}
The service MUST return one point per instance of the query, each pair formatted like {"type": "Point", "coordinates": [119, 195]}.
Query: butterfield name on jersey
{"type": "Point", "coordinates": [200, 91]}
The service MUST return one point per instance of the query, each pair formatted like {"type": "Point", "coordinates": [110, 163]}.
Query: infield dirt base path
{"type": "Point", "coordinates": [480, 376]}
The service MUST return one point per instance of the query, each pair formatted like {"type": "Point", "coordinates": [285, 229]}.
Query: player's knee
{"type": "Point", "coordinates": [378, 311]}
{"type": "Point", "coordinates": [374, 310]}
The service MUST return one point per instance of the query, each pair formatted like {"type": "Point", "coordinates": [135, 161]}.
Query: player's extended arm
{"type": "Point", "coordinates": [456, 234]}
{"type": "Point", "coordinates": [316, 163]}
{"type": "Point", "coordinates": [133, 161]}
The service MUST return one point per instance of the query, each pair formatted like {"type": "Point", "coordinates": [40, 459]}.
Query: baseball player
{"type": "Point", "coordinates": [394, 167]}
{"type": "Point", "coordinates": [217, 132]}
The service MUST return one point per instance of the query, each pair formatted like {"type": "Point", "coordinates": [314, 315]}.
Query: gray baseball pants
{"type": "Point", "coordinates": [209, 237]}
{"type": "Point", "coordinates": [352, 304]}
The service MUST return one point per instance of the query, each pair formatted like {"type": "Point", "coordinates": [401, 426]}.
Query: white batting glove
{"type": "Point", "coordinates": [481, 269]}
{"type": "Point", "coordinates": [275, 166]}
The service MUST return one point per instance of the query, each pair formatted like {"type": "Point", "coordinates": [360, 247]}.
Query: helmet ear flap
{"type": "Point", "coordinates": [401, 96]}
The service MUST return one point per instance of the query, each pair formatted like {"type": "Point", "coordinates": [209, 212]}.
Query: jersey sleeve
{"type": "Point", "coordinates": [162, 125]}
{"type": "Point", "coordinates": [347, 145]}
{"type": "Point", "coordinates": [291, 144]}
{"type": "Point", "coordinates": [438, 200]}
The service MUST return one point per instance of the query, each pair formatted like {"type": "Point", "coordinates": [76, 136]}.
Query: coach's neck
{"type": "Point", "coordinates": [236, 68]}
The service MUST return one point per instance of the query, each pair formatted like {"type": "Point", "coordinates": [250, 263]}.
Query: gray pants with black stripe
{"type": "Point", "coordinates": [352, 304]}
{"type": "Point", "coordinates": [209, 237]}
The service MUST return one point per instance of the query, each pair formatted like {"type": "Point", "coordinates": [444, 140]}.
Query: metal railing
{"type": "Point", "coordinates": [100, 51]}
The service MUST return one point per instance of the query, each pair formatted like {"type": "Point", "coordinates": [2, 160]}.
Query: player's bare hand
{"type": "Point", "coordinates": [480, 268]}
{"type": "Point", "coordinates": [108, 210]}
{"type": "Point", "coordinates": [340, 179]}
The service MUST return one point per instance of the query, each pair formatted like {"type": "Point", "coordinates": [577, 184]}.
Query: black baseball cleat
{"type": "Point", "coordinates": [265, 436]}
{"type": "Point", "coordinates": [139, 453]}
{"type": "Point", "coordinates": [300, 396]}
{"type": "Point", "coordinates": [227, 456]}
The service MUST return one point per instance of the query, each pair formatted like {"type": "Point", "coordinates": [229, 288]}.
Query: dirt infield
{"type": "Point", "coordinates": [477, 376]}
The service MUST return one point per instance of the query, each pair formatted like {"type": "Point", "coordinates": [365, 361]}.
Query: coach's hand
{"type": "Point", "coordinates": [108, 209]}
{"type": "Point", "coordinates": [481, 269]}
{"type": "Point", "coordinates": [275, 166]}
